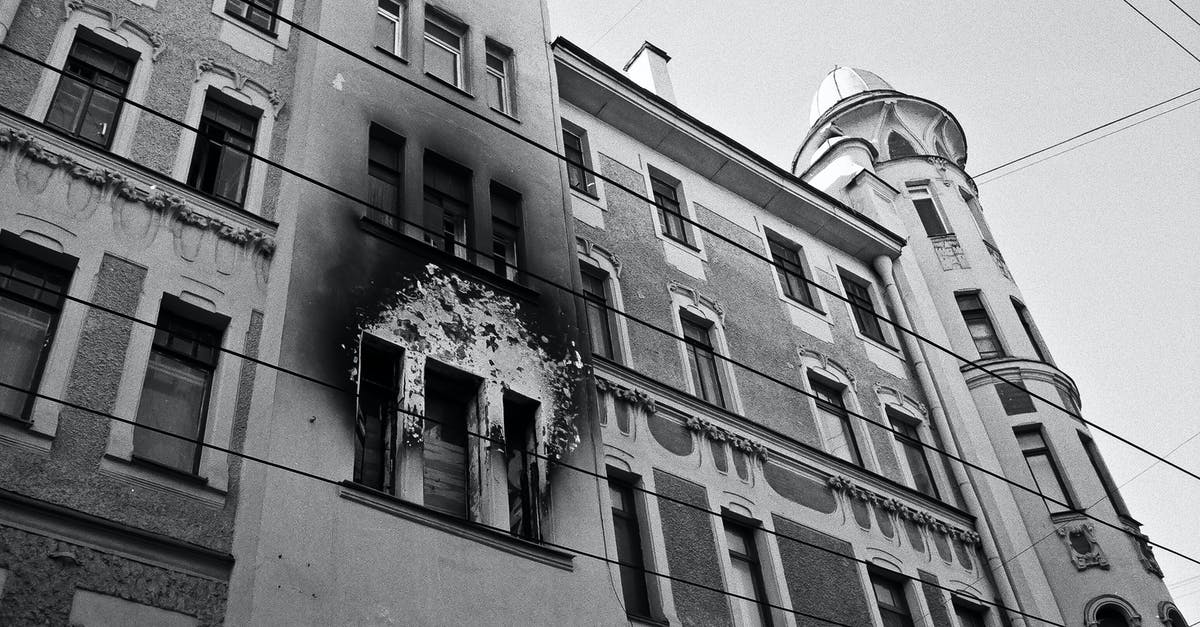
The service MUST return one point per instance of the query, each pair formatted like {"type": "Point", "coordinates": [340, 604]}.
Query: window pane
{"type": "Point", "coordinates": [67, 106]}
{"type": "Point", "coordinates": [930, 219]}
{"type": "Point", "coordinates": [385, 33]}
{"type": "Point", "coordinates": [497, 99]}
{"type": "Point", "coordinates": [918, 465]}
{"type": "Point", "coordinates": [442, 35]}
{"type": "Point", "coordinates": [1015, 399]}
{"type": "Point", "coordinates": [839, 438]}
{"type": "Point", "coordinates": [629, 550]}
{"type": "Point", "coordinates": [23, 331]}
{"type": "Point", "coordinates": [441, 62]}
{"type": "Point", "coordinates": [100, 118]}
{"type": "Point", "coordinates": [230, 182]}
{"type": "Point", "coordinates": [1045, 476]}
{"type": "Point", "coordinates": [743, 582]}
{"type": "Point", "coordinates": [379, 392]}
{"type": "Point", "coordinates": [173, 398]}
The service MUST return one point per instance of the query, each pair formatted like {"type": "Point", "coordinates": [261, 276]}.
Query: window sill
{"type": "Point", "coordinates": [799, 304]}
{"type": "Point", "coordinates": [21, 433]}
{"type": "Point", "coordinates": [894, 350]}
{"type": "Point", "coordinates": [459, 90]}
{"type": "Point", "coordinates": [264, 32]}
{"type": "Point", "coordinates": [442, 258]}
{"type": "Point", "coordinates": [589, 195]}
{"type": "Point", "coordinates": [476, 532]}
{"type": "Point", "coordinates": [1064, 516]}
{"type": "Point", "coordinates": [646, 620]}
{"type": "Point", "coordinates": [391, 55]}
{"type": "Point", "coordinates": [278, 38]}
{"type": "Point", "coordinates": [156, 477]}
{"type": "Point", "coordinates": [688, 246]}
{"type": "Point", "coordinates": [506, 114]}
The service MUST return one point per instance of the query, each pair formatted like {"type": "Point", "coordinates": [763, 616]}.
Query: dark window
{"type": "Point", "coordinates": [30, 302]}
{"type": "Point", "coordinates": [1111, 616]}
{"type": "Point", "coordinates": [831, 410]}
{"type": "Point", "coordinates": [898, 146]}
{"type": "Point", "coordinates": [893, 606]}
{"type": "Point", "coordinates": [258, 13]}
{"type": "Point", "coordinates": [670, 215]}
{"type": "Point", "coordinates": [506, 231]}
{"type": "Point", "coordinates": [520, 444]}
{"type": "Point", "coordinates": [790, 270]}
{"type": "Point", "coordinates": [626, 528]}
{"type": "Point", "coordinates": [443, 50]}
{"type": "Point", "coordinates": [746, 579]}
{"type": "Point", "coordinates": [87, 101]}
{"type": "Point", "coordinates": [376, 423]}
{"type": "Point", "coordinates": [175, 393]}
{"type": "Point", "coordinates": [1046, 477]}
{"type": "Point", "coordinates": [977, 215]}
{"type": "Point", "coordinates": [1101, 470]}
{"type": "Point", "coordinates": [385, 175]}
{"type": "Point", "coordinates": [1015, 398]}
{"type": "Point", "coordinates": [575, 150]}
{"type": "Point", "coordinates": [389, 26]}
{"type": "Point", "coordinates": [970, 616]}
{"type": "Point", "coordinates": [595, 299]}
{"type": "Point", "coordinates": [926, 210]}
{"type": "Point", "coordinates": [448, 407]}
{"type": "Point", "coordinates": [702, 361]}
{"type": "Point", "coordinates": [864, 309]}
{"type": "Point", "coordinates": [979, 325]}
{"type": "Point", "coordinates": [499, 82]}
{"type": "Point", "coordinates": [1030, 330]}
{"type": "Point", "coordinates": [914, 454]}
{"type": "Point", "coordinates": [221, 158]}
{"type": "Point", "coordinates": [447, 205]}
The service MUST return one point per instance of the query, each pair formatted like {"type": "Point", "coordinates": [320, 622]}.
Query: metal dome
{"type": "Point", "coordinates": [841, 83]}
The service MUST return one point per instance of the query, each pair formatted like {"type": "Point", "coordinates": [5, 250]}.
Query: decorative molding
{"type": "Point", "coordinates": [632, 395]}
{"type": "Point", "coordinates": [949, 252]}
{"type": "Point", "coordinates": [942, 164]}
{"type": "Point", "coordinates": [901, 398]}
{"type": "Point", "coordinates": [592, 249]}
{"type": "Point", "coordinates": [240, 81]}
{"type": "Point", "coordinates": [894, 507]}
{"type": "Point", "coordinates": [719, 434]}
{"type": "Point", "coordinates": [1145, 552]}
{"type": "Point", "coordinates": [999, 259]}
{"type": "Point", "coordinates": [1074, 533]}
{"type": "Point", "coordinates": [698, 299]}
{"type": "Point", "coordinates": [116, 22]}
{"type": "Point", "coordinates": [830, 364]}
{"type": "Point", "coordinates": [1091, 611]}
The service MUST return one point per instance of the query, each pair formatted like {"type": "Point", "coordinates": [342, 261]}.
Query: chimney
{"type": "Point", "coordinates": [648, 68]}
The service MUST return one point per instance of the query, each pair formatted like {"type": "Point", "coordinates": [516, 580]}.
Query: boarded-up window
{"type": "Point", "coordinates": [448, 405]}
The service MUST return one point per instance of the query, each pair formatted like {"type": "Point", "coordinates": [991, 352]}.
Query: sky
{"type": "Point", "coordinates": [1101, 239]}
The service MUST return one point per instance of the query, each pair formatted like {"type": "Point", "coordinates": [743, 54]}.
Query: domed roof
{"type": "Point", "coordinates": [841, 83]}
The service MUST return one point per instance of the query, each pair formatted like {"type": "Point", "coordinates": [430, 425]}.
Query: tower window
{"type": "Point", "coordinates": [979, 324]}
{"type": "Point", "coordinates": [1046, 477]}
{"type": "Point", "coordinates": [927, 210]}
{"type": "Point", "coordinates": [898, 146]}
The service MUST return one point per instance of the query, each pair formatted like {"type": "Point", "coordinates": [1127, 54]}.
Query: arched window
{"type": "Point", "coordinates": [898, 146]}
{"type": "Point", "coordinates": [1111, 616]}
{"type": "Point", "coordinates": [1111, 611]}
{"type": "Point", "coordinates": [1170, 615]}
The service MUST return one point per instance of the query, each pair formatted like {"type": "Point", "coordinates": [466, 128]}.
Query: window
{"type": "Point", "coordinates": [389, 27]}
{"type": "Point", "coordinates": [520, 461]}
{"type": "Point", "coordinates": [790, 270]}
{"type": "Point", "coordinates": [575, 149]}
{"type": "Point", "coordinates": [970, 616]}
{"type": "Point", "coordinates": [506, 231]}
{"type": "Point", "coordinates": [627, 529]}
{"type": "Point", "coordinates": [702, 361]}
{"type": "Point", "coordinates": [1046, 478]}
{"type": "Point", "coordinates": [831, 411]}
{"type": "Point", "coordinates": [444, 50]}
{"type": "Point", "coordinates": [977, 215]}
{"type": "Point", "coordinates": [30, 302]}
{"type": "Point", "coordinates": [221, 158]}
{"type": "Point", "coordinates": [979, 325]}
{"type": "Point", "coordinates": [385, 175]}
{"type": "Point", "coordinates": [595, 300]}
{"type": "Point", "coordinates": [449, 403]}
{"type": "Point", "coordinates": [447, 205]}
{"type": "Point", "coordinates": [670, 214]}
{"type": "Point", "coordinates": [499, 71]}
{"type": "Point", "coordinates": [1111, 616]}
{"type": "Point", "coordinates": [913, 453]}
{"type": "Point", "coordinates": [1101, 470]}
{"type": "Point", "coordinates": [376, 423]}
{"type": "Point", "coordinates": [898, 146]}
{"type": "Point", "coordinates": [746, 578]}
{"type": "Point", "coordinates": [87, 101]}
{"type": "Point", "coordinates": [258, 13]}
{"type": "Point", "coordinates": [927, 210]}
{"type": "Point", "coordinates": [1030, 330]}
{"type": "Point", "coordinates": [893, 606]}
{"type": "Point", "coordinates": [1015, 398]}
{"type": "Point", "coordinates": [863, 308]}
{"type": "Point", "coordinates": [176, 390]}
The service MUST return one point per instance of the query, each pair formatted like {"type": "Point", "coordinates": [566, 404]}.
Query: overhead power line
{"type": "Point", "coordinates": [1185, 12]}
{"type": "Point", "coordinates": [614, 24]}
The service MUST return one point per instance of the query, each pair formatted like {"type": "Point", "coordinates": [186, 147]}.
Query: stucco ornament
{"type": "Point", "coordinates": [1080, 540]}
{"type": "Point", "coordinates": [719, 434]}
{"type": "Point", "coordinates": [443, 317]}
{"type": "Point", "coordinates": [631, 395]}
{"type": "Point", "coordinates": [850, 489]}
{"type": "Point", "coordinates": [116, 22]}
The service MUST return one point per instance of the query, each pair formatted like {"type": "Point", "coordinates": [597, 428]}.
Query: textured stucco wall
{"type": "Point", "coordinates": [820, 583]}
{"type": "Point", "coordinates": [691, 552]}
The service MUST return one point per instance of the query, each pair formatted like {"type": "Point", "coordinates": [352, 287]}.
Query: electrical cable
{"type": "Point", "coordinates": [1181, 9]}
{"type": "Point", "coordinates": [614, 25]}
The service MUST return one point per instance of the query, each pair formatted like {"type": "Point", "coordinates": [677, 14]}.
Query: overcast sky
{"type": "Point", "coordinates": [1102, 240]}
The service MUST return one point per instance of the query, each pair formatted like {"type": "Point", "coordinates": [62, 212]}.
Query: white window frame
{"type": "Point", "coordinates": [441, 21]}
{"type": "Point", "coordinates": [825, 369]}
{"type": "Point", "coordinates": [602, 262]}
{"type": "Point", "coordinates": [397, 20]}
{"type": "Point", "coordinates": [684, 299]}
{"type": "Point", "coordinates": [505, 56]}
{"type": "Point", "coordinates": [263, 48]}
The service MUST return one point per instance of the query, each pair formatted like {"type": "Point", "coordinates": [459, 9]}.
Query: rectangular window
{"type": "Point", "coordinates": [746, 579]}
{"type": "Point", "coordinates": [1030, 330]}
{"type": "Point", "coordinates": [1046, 478]}
{"type": "Point", "coordinates": [913, 454]}
{"type": "Point", "coordinates": [176, 391]}
{"type": "Point", "coordinates": [506, 231]}
{"type": "Point", "coordinates": [979, 324]}
{"type": "Point", "coordinates": [670, 213]}
{"type": "Point", "coordinates": [376, 421]}
{"type": "Point", "coordinates": [499, 81]}
{"type": "Point", "coordinates": [831, 410]}
{"type": "Point", "coordinates": [977, 215]}
{"type": "Point", "coordinates": [447, 205]}
{"type": "Point", "coordinates": [444, 50]}
{"type": "Point", "coordinates": [1015, 398]}
{"type": "Point", "coordinates": [30, 303]}
{"type": "Point", "coordinates": [258, 13]}
{"type": "Point", "coordinates": [448, 407]}
{"type": "Point", "coordinates": [385, 175]}
{"type": "Point", "coordinates": [520, 444]}
{"type": "Point", "coordinates": [575, 149]}
{"type": "Point", "coordinates": [970, 616]}
{"type": "Point", "coordinates": [790, 270]}
{"type": "Point", "coordinates": [595, 300]}
{"type": "Point", "coordinates": [87, 101]}
{"type": "Point", "coordinates": [889, 597]}
{"type": "Point", "coordinates": [1106, 480]}
{"type": "Point", "coordinates": [702, 361]}
{"type": "Point", "coordinates": [389, 27]}
{"type": "Point", "coordinates": [863, 307]}
{"type": "Point", "coordinates": [626, 528]}
{"type": "Point", "coordinates": [221, 158]}
{"type": "Point", "coordinates": [927, 210]}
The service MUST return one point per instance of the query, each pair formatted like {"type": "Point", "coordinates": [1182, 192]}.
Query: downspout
{"type": "Point", "coordinates": [885, 269]}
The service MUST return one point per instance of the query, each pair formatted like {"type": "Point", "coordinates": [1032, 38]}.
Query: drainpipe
{"type": "Point", "coordinates": [883, 267]}
{"type": "Point", "coordinates": [8, 11]}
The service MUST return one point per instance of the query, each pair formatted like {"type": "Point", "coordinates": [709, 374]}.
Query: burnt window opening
{"type": "Point", "coordinates": [447, 205]}
{"type": "Point", "coordinates": [87, 101]}
{"type": "Point", "coordinates": [385, 176]}
{"type": "Point", "coordinates": [377, 418]}
{"type": "Point", "coordinates": [521, 465]}
{"type": "Point", "coordinates": [450, 407]}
